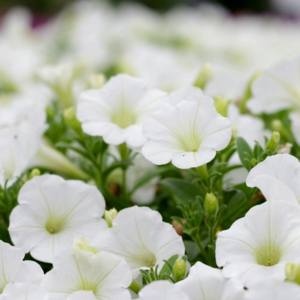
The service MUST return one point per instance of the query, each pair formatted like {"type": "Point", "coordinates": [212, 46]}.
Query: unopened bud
{"type": "Point", "coordinates": [277, 125]}
{"type": "Point", "coordinates": [109, 216]}
{"type": "Point", "coordinates": [83, 244]}
{"type": "Point", "coordinates": [210, 204]}
{"type": "Point", "coordinates": [221, 105]}
{"type": "Point", "coordinates": [273, 142]}
{"type": "Point", "coordinates": [204, 76]}
{"type": "Point", "coordinates": [34, 172]}
{"type": "Point", "coordinates": [179, 270]}
{"type": "Point", "coordinates": [96, 81]}
{"type": "Point", "coordinates": [70, 118]}
{"type": "Point", "coordinates": [292, 272]}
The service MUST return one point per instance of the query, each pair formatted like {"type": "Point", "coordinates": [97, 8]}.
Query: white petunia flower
{"type": "Point", "coordinates": [284, 167]}
{"type": "Point", "coordinates": [258, 246]}
{"type": "Point", "coordinates": [51, 212]}
{"type": "Point", "coordinates": [162, 290]}
{"type": "Point", "coordinates": [117, 110]}
{"type": "Point", "coordinates": [140, 236]}
{"type": "Point", "coordinates": [277, 88]}
{"type": "Point", "coordinates": [187, 131]}
{"type": "Point", "coordinates": [13, 269]}
{"type": "Point", "coordinates": [24, 291]}
{"type": "Point", "coordinates": [79, 275]}
{"type": "Point", "coordinates": [18, 145]}
{"type": "Point", "coordinates": [273, 290]}
{"type": "Point", "coordinates": [207, 283]}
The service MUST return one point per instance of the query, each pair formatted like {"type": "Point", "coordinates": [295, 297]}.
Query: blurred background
{"type": "Point", "coordinates": [52, 6]}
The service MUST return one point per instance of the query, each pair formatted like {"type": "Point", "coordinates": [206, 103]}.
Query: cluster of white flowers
{"type": "Point", "coordinates": [149, 157]}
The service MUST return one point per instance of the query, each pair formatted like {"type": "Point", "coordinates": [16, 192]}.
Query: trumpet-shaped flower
{"type": "Point", "coordinates": [277, 88]}
{"type": "Point", "coordinates": [207, 283]}
{"type": "Point", "coordinates": [140, 236]}
{"type": "Point", "coordinates": [24, 291]}
{"type": "Point", "coordinates": [284, 167]}
{"type": "Point", "coordinates": [258, 246]}
{"type": "Point", "coordinates": [162, 290]}
{"type": "Point", "coordinates": [186, 131]}
{"type": "Point", "coordinates": [117, 110]}
{"type": "Point", "coordinates": [272, 289]}
{"type": "Point", "coordinates": [51, 212]}
{"type": "Point", "coordinates": [13, 269]}
{"type": "Point", "coordinates": [82, 274]}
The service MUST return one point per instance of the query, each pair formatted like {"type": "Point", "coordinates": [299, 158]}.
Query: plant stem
{"type": "Point", "coordinates": [211, 231]}
{"type": "Point", "coordinates": [197, 240]}
{"type": "Point", "coordinates": [202, 170]}
{"type": "Point", "coordinates": [135, 287]}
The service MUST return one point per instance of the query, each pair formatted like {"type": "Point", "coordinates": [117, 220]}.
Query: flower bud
{"type": "Point", "coordinates": [292, 272]}
{"type": "Point", "coordinates": [179, 270]}
{"type": "Point", "coordinates": [210, 204]}
{"type": "Point", "coordinates": [273, 141]}
{"type": "Point", "coordinates": [277, 125]}
{"type": "Point", "coordinates": [34, 172]}
{"type": "Point", "coordinates": [204, 76]}
{"type": "Point", "coordinates": [70, 118]}
{"type": "Point", "coordinates": [221, 105]}
{"type": "Point", "coordinates": [109, 216]}
{"type": "Point", "coordinates": [83, 244]}
{"type": "Point", "coordinates": [96, 81]}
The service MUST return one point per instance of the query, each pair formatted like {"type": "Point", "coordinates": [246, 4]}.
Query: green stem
{"type": "Point", "coordinates": [211, 231]}
{"type": "Point", "coordinates": [202, 170]}
{"type": "Point", "coordinates": [197, 240]}
{"type": "Point", "coordinates": [135, 287]}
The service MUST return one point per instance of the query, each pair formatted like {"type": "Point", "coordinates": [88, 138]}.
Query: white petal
{"type": "Point", "coordinates": [71, 208]}
{"type": "Point", "coordinates": [162, 290]}
{"type": "Point", "coordinates": [204, 282]}
{"type": "Point", "coordinates": [268, 234]}
{"type": "Point", "coordinates": [103, 273]}
{"type": "Point", "coordinates": [141, 237]}
{"type": "Point", "coordinates": [23, 291]}
{"type": "Point", "coordinates": [284, 167]}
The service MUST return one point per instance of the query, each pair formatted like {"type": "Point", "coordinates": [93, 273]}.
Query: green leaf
{"type": "Point", "coordinates": [116, 165]}
{"type": "Point", "coordinates": [191, 250]}
{"type": "Point", "coordinates": [64, 145]}
{"type": "Point", "coordinates": [181, 190]}
{"type": "Point", "coordinates": [244, 152]}
{"type": "Point", "coordinates": [165, 270]}
{"type": "Point", "coordinates": [150, 175]}
{"type": "Point", "coordinates": [248, 192]}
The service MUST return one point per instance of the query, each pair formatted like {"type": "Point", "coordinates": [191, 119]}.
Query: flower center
{"type": "Point", "coordinates": [123, 117]}
{"type": "Point", "coordinates": [190, 142]}
{"type": "Point", "coordinates": [55, 225]}
{"type": "Point", "coordinates": [151, 262]}
{"type": "Point", "coordinates": [268, 255]}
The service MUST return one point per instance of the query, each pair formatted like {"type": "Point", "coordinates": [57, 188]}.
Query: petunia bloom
{"type": "Point", "coordinates": [14, 270]}
{"type": "Point", "coordinates": [187, 130]}
{"type": "Point", "coordinates": [141, 237]}
{"type": "Point", "coordinates": [79, 274]}
{"type": "Point", "coordinates": [207, 283]}
{"type": "Point", "coordinates": [51, 212]}
{"type": "Point", "coordinates": [24, 291]}
{"type": "Point", "coordinates": [257, 246]}
{"type": "Point", "coordinates": [162, 290]}
{"type": "Point", "coordinates": [117, 110]}
{"type": "Point", "coordinates": [284, 167]}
